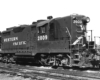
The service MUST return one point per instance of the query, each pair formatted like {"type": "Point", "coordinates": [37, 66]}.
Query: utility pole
{"type": "Point", "coordinates": [88, 38]}
{"type": "Point", "coordinates": [94, 38]}
{"type": "Point", "coordinates": [91, 35]}
{"type": "Point", "coordinates": [95, 42]}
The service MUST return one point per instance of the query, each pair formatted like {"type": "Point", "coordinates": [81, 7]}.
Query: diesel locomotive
{"type": "Point", "coordinates": [58, 41]}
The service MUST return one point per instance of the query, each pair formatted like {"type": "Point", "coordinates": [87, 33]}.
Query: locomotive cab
{"type": "Point", "coordinates": [42, 31]}
{"type": "Point", "coordinates": [58, 34]}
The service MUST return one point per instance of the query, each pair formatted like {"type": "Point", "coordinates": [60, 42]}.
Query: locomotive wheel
{"type": "Point", "coordinates": [5, 59]}
{"type": "Point", "coordinates": [53, 61]}
{"type": "Point", "coordinates": [11, 59]}
{"type": "Point", "coordinates": [66, 61]}
{"type": "Point", "coordinates": [59, 60]}
{"type": "Point", "coordinates": [42, 60]}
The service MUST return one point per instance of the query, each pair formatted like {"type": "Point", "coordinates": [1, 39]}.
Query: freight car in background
{"type": "Point", "coordinates": [54, 42]}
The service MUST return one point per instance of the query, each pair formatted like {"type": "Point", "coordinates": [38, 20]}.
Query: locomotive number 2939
{"type": "Point", "coordinates": [42, 37]}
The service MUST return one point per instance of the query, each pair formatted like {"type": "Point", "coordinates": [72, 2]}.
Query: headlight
{"type": "Point", "coordinates": [87, 19]}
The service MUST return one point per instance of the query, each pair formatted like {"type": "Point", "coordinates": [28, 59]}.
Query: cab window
{"type": "Point", "coordinates": [52, 31]}
{"type": "Point", "coordinates": [42, 29]}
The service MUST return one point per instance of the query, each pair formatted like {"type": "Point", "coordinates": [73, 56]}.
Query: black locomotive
{"type": "Point", "coordinates": [54, 42]}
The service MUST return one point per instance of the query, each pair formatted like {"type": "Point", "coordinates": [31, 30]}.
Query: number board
{"type": "Point", "coordinates": [77, 22]}
{"type": "Point", "coordinates": [42, 37]}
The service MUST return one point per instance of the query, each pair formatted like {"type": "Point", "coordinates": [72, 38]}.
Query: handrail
{"type": "Point", "coordinates": [68, 32]}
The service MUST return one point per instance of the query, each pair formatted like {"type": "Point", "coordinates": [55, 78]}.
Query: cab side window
{"type": "Point", "coordinates": [52, 31]}
{"type": "Point", "coordinates": [42, 29]}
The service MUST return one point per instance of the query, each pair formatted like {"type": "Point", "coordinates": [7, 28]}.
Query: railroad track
{"type": "Point", "coordinates": [50, 74]}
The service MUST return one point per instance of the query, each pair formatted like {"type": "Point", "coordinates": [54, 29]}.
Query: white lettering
{"type": "Point", "coordinates": [24, 42]}
{"type": "Point", "coordinates": [11, 39]}
{"type": "Point", "coordinates": [15, 43]}
{"type": "Point", "coordinates": [46, 37]}
{"type": "Point", "coordinates": [77, 21]}
{"type": "Point", "coordinates": [43, 37]}
{"type": "Point", "coordinates": [16, 38]}
{"type": "Point", "coordinates": [38, 38]}
{"type": "Point", "coordinates": [19, 43]}
{"type": "Point", "coordinates": [5, 40]}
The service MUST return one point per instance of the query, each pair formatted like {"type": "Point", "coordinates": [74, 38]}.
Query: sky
{"type": "Point", "coordinates": [18, 12]}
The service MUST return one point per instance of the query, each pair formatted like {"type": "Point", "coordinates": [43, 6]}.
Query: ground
{"type": "Point", "coordinates": [9, 77]}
